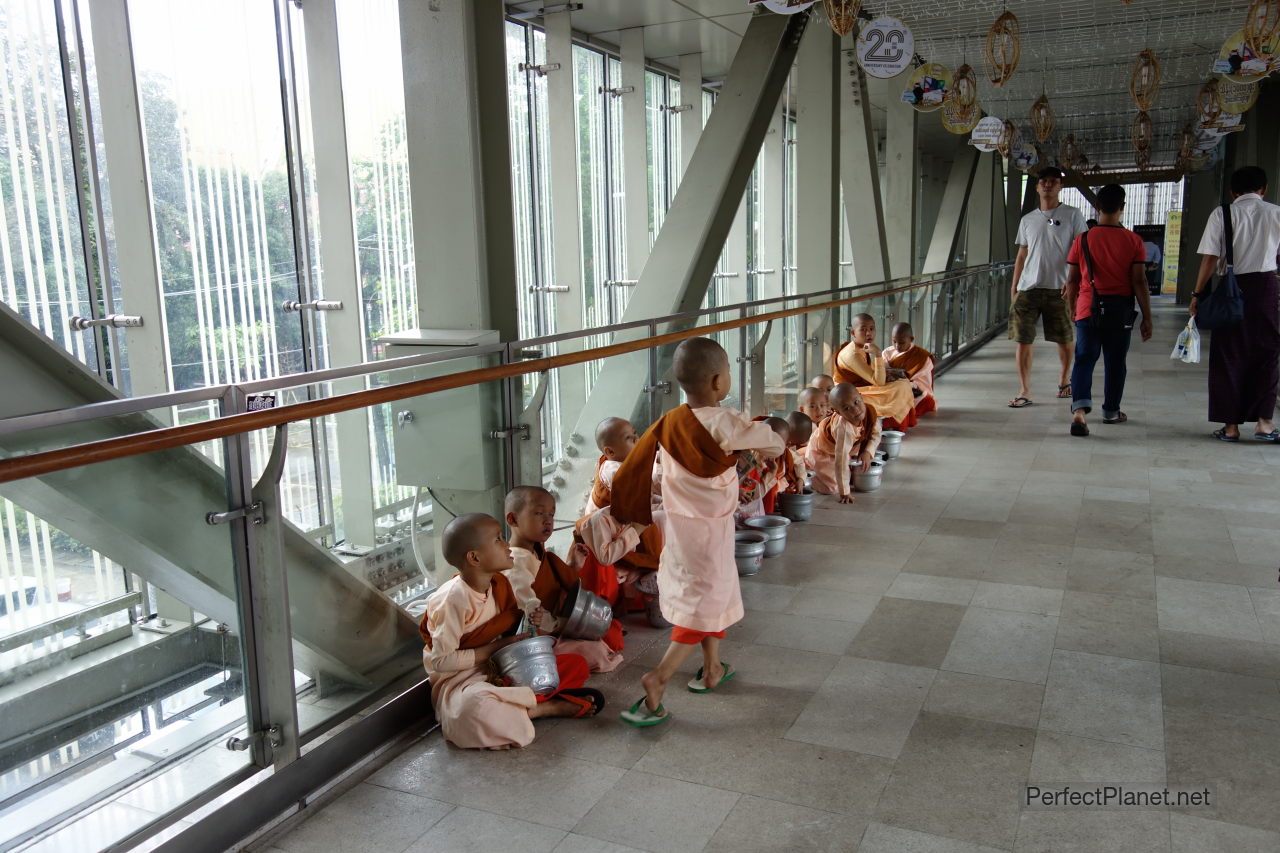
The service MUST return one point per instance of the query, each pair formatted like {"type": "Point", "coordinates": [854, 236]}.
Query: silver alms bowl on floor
{"type": "Point", "coordinates": [891, 442]}
{"type": "Point", "coordinates": [529, 663]}
{"type": "Point", "coordinates": [748, 551]}
{"type": "Point", "coordinates": [775, 528]}
{"type": "Point", "coordinates": [796, 506]}
{"type": "Point", "coordinates": [588, 618]}
{"type": "Point", "coordinates": [868, 481]}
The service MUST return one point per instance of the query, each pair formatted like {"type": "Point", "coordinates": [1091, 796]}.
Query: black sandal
{"type": "Point", "coordinates": [1120, 418]}
{"type": "Point", "coordinates": [1221, 435]}
{"type": "Point", "coordinates": [1079, 429]}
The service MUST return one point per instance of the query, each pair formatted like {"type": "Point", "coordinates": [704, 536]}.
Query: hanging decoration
{"type": "Point", "coordinates": [986, 134]}
{"type": "Point", "coordinates": [957, 118]}
{"type": "Point", "coordinates": [1144, 80]}
{"type": "Point", "coordinates": [784, 7]}
{"type": "Point", "coordinates": [1042, 118]}
{"type": "Point", "coordinates": [964, 86]}
{"type": "Point", "coordinates": [842, 14]}
{"type": "Point", "coordinates": [1140, 134]}
{"type": "Point", "coordinates": [1009, 139]}
{"type": "Point", "coordinates": [885, 47]}
{"type": "Point", "coordinates": [1025, 156]}
{"type": "Point", "coordinates": [1261, 24]}
{"type": "Point", "coordinates": [1068, 151]}
{"type": "Point", "coordinates": [1004, 49]}
{"type": "Point", "coordinates": [1235, 98]}
{"type": "Point", "coordinates": [1207, 107]}
{"type": "Point", "coordinates": [1142, 160]}
{"type": "Point", "coordinates": [1243, 62]}
{"type": "Point", "coordinates": [927, 87]}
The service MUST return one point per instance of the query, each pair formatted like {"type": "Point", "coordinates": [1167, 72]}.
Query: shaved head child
{"type": "Point", "coordinates": [814, 402]}
{"type": "Point", "coordinates": [851, 431]}
{"type": "Point", "coordinates": [917, 364]}
{"type": "Point", "coordinates": [614, 437]}
{"type": "Point", "coordinates": [698, 443]}
{"type": "Point", "coordinates": [823, 383]}
{"type": "Point", "coordinates": [469, 618]}
{"type": "Point", "coordinates": [541, 579]}
{"type": "Point", "coordinates": [798, 435]}
{"type": "Point", "coordinates": [859, 362]}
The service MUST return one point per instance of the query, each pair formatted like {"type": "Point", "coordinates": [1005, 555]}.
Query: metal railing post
{"type": "Point", "coordinates": [744, 359]}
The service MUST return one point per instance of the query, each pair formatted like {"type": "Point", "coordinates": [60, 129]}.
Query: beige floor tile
{"type": "Point", "coordinates": [1236, 758]}
{"type": "Point", "coordinates": [758, 825]}
{"type": "Point", "coordinates": [882, 838]}
{"type": "Point", "coordinates": [1216, 653]}
{"type": "Point", "coordinates": [1105, 572]}
{"type": "Point", "coordinates": [1062, 760]}
{"type": "Point", "coordinates": [1197, 607]}
{"type": "Point", "coordinates": [1015, 703]}
{"type": "Point", "coordinates": [1113, 625]}
{"type": "Point", "coordinates": [914, 633]}
{"type": "Point", "coordinates": [366, 816]}
{"type": "Point", "coordinates": [1104, 698]}
{"type": "Point", "coordinates": [1003, 644]}
{"type": "Point", "coordinates": [1220, 692]}
{"type": "Point", "coordinates": [1266, 606]}
{"type": "Point", "coordinates": [658, 813]}
{"type": "Point", "coordinates": [466, 830]}
{"type": "Point", "coordinates": [1076, 831]}
{"type": "Point", "coordinates": [1198, 835]}
{"type": "Point", "coordinates": [1025, 599]}
{"type": "Point", "coordinates": [923, 587]}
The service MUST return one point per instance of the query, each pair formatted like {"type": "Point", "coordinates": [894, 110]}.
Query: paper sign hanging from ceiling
{"type": "Point", "coordinates": [927, 87]}
{"type": "Point", "coordinates": [885, 48]}
{"type": "Point", "coordinates": [1025, 156]}
{"type": "Point", "coordinates": [986, 135]}
{"type": "Point", "coordinates": [784, 7]}
{"type": "Point", "coordinates": [1236, 98]}
{"type": "Point", "coordinates": [958, 118]}
{"type": "Point", "coordinates": [1240, 63]}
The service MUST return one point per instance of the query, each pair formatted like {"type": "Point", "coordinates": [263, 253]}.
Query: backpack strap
{"type": "Point", "coordinates": [1229, 231]}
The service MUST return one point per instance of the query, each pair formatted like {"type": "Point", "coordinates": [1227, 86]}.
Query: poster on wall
{"type": "Point", "coordinates": [885, 48]}
{"type": "Point", "coordinates": [784, 7]}
{"type": "Point", "coordinates": [1172, 245]}
{"type": "Point", "coordinates": [1238, 62]}
{"type": "Point", "coordinates": [927, 87]}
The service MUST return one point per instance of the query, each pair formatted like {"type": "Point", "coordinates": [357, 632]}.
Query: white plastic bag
{"type": "Point", "coordinates": [1187, 347]}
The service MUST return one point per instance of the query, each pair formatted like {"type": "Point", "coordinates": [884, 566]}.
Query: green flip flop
{"type": "Point", "coordinates": [696, 685]}
{"type": "Point", "coordinates": [640, 715]}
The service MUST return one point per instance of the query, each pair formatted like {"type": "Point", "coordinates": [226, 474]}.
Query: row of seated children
{"type": "Point", "coordinates": [760, 481]}
{"type": "Point", "coordinates": [471, 616]}
{"type": "Point", "coordinates": [897, 381]}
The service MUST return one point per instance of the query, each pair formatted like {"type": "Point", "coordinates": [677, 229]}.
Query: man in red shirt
{"type": "Point", "coordinates": [1107, 272]}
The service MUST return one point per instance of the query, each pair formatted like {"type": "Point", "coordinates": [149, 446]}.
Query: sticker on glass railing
{"type": "Point", "coordinates": [260, 402]}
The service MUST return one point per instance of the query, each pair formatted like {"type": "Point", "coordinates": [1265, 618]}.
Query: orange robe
{"type": "Point", "coordinates": [543, 579]}
{"type": "Point", "coordinates": [834, 442]}
{"type": "Point", "coordinates": [697, 577]}
{"type": "Point", "coordinates": [473, 712]}
{"type": "Point", "coordinates": [919, 364]}
{"type": "Point", "coordinates": [891, 399]}
{"type": "Point", "coordinates": [601, 485]}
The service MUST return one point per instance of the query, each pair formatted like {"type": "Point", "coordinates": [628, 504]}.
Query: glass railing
{"type": "Point", "coordinates": [198, 588]}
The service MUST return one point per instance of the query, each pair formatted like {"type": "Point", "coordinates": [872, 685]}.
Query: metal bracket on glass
{"type": "Point", "coordinates": [724, 275]}
{"type": "Point", "coordinates": [313, 305]}
{"type": "Point", "coordinates": [752, 359]}
{"type": "Point", "coordinates": [404, 418]}
{"type": "Point", "coordinates": [677, 108]}
{"type": "Point", "coordinates": [273, 736]}
{"type": "Point", "coordinates": [664, 387]}
{"type": "Point", "coordinates": [507, 432]}
{"type": "Point", "coordinates": [790, 269]}
{"type": "Point", "coordinates": [117, 321]}
{"type": "Point", "coordinates": [253, 512]}
{"type": "Point", "coordinates": [622, 282]}
{"type": "Point", "coordinates": [845, 263]}
{"type": "Point", "coordinates": [540, 70]}
{"type": "Point", "coordinates": [548, 288]}
{"type": "Point", "coordinates": [617, 91]}
{"type": "Point", "coordinates": [528, 352]}
{"type": "Point", "coordinates": [761, 272]}
{"type": "Point", "coordinates": [812, 342]}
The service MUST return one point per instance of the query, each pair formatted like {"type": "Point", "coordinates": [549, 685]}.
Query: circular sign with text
{"type": "Point", "coordinates": [1240, 63]}
{"type": "Point", "coordinates": [785, 7]}
{"type": "Point", "coordinates": [927, 87]}
{"type": "Point", "coordinates": [1236, 98]}
{"type": "Point", "coordinates": [885, 48]}
{"type": "Point", "coordinates": [960, 119]}
{"type": "Point", "coordinates": [986, 135]}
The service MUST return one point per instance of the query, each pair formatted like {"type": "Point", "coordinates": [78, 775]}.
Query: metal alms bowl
{"type": "Point", "coordinates": [775, 528]}
{"type": "Point", "coordinates": [795, 505]}
{"type": "Point", "coordinates": [868, 481]}
{"type": "Point", "coordinates": [748, 551]}
{"type": "Point", "coordinates": [530, 663]}
{"type": "Point", "coordinates": [891, 442]}
{"type": "Point", "coordinates": [588, 618]}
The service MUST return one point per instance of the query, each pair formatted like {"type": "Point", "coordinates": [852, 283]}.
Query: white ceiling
{"type": "Point", "coordinates": [1080, 53]}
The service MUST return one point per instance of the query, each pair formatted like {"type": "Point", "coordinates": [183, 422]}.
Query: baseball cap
{"type": "Point", "coordinates": [1050, 172]}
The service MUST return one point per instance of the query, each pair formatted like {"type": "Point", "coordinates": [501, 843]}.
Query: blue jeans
{"type": "Point", "coordinates": [1113, 345]}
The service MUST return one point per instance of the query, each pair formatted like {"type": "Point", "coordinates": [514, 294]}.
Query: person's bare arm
{"type": "Point", "coordinates": [1072, 288]}
{"type": "Point", "coordinates": [1208, 263]}
{"type": "Point", "coordinates": [1138, 281]}
{"type": "Point", "coordinates": [1018, 263]}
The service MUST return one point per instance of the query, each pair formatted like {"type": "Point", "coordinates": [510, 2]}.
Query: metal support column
{"type": "Point", "coordinates": [635, 158]}
{"type": "Point", "coordinates": [860, 173]}
{"type": "Point", "coordinates": [459, 164]}
{"type": "Point", "coordinates": [901, 178]}
{"type": "Point", "coordinates": [818, 171]}
{"type": "Point", "coordinates": [339, 271]}
{"type": "Point", "coordinates": [978, 214]}
{"type": "Point", "coordinates": [950, 221]}
{"type": "Point", "coordinates": [139, 268]}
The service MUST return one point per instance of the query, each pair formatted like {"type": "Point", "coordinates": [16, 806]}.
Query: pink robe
{"type": "Point", "coordinates": [891, 399]}
{"type": "Point", "coordinates": [829, 458]}
{"type": "Point", "coordinates": [473, 713]}
{"type": "Point", "coordinates": [600, 658]}
{"type": "Point", "coordinates": [610, 540]}
{"type": "Point", "coordinates": [604, 474]}
{"type": "Point", "coordinates": [697, 577]}
{"type": "Point", "coordinates": [922, 379]}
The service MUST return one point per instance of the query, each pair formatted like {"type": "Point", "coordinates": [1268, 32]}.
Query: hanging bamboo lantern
{"type": "Point", "coordinates": [842, 14]}
{"type": "Point", "coordinates": [1207, 106]}
{"type": "Point", "coordinates": [964, 86]}
{"type": "Point", "coordinates": [1142, 160]}
{"type": "Point", "coordinates": [1140, 133]}
{"type": "Point", "coordinates": [1008, 137]}
{"type": "Point", "coordinates": [1261, 24]}
{"type": "Point", "coordinates": [1144, 81]}
{"type": "Point", "coordinates": [1186, 143]}
{"type": "Point", "coordinates": [1042, 120]}
{"type": "Point", "coordinates": [1069, 151]}
{"type": "Point", "coordinates": [1004, 49]}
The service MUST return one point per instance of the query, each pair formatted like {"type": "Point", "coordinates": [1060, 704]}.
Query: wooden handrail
{"type": "Point", "coordinates": [165, 438]}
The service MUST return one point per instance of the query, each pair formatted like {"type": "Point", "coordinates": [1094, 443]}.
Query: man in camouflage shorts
{"type": "Point", "coordinates": [1044, 237]}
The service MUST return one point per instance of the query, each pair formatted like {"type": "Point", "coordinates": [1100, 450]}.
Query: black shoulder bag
{"type": "Point", "coordinates": [1108, 311]}
{"type": "Point", "coordinates": [1223, 306]}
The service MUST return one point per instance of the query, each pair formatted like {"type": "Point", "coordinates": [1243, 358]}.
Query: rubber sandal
{"type": "Point", "coordinates": [1020, 402]}
{"type": "Point", "coordinates": [1120, 418]}
{"type": "Point", "coordinates": [639, 715]}
{"type": "Point", "coordinates": [1079, 429]}
{"type": "Point", "coordinates": [589, 701]}
{"type": "Point", "coordinates": [1272, 436]}
{"type": "Point", "coordinates": [1222, 436]}
{"type": "Point", "coordinates": [1064, 391]}
{"type": "Point", "coordinates": [697, 685]}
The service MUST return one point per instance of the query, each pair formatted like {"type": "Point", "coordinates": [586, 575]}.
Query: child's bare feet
{"type": "Point", "coordinates": [552, 708]}
{"type": "Point", "coordinates": [654, 687]}
{"type": "Point", "coordinates": [711, 675]}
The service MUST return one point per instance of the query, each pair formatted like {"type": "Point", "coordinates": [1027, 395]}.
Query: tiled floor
{"type": "Point", "coordinates": [1014, 607]}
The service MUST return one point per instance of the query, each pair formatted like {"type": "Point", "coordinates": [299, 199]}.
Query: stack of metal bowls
{"type": "Point", "coordinates": [775, 528]}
